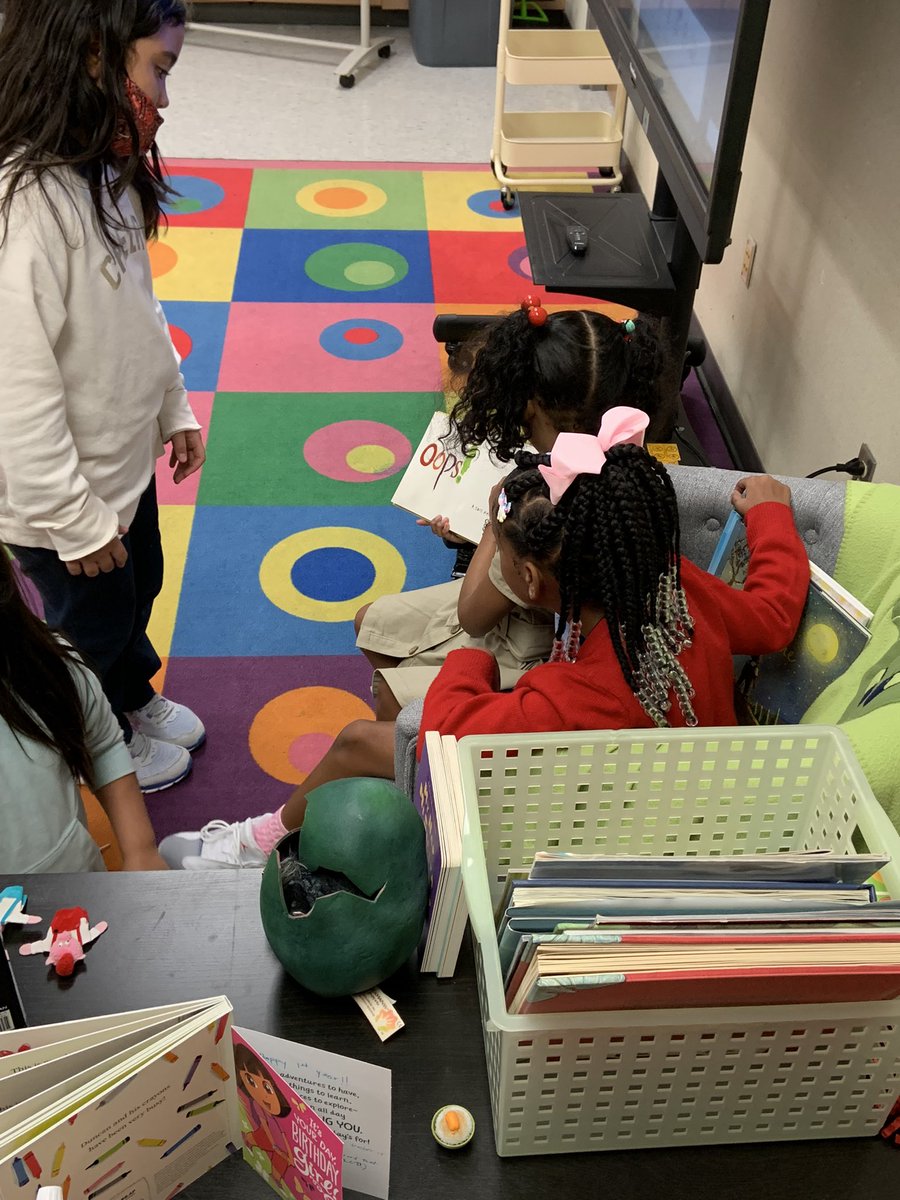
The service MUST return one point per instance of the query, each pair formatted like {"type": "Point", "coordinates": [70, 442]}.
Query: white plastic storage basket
{"type": "Point", "coordinates": [626, 1080]}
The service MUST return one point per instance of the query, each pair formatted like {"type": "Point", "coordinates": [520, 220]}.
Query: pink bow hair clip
{"type": "Point", "coordinates": [576, 454]}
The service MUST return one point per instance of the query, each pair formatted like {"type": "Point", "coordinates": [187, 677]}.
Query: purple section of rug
{"type": "Point", "coordinates": [261, 715]}
{"type": "Point", "coordinates": [704, 424]}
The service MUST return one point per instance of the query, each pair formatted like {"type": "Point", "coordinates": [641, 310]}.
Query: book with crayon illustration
{"type": "Point", "coordinates": [138, 1106]}
{"type": "Point", "coordinates": [779, 688]}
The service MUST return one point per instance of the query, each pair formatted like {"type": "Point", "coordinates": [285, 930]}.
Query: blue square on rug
{"type": "Point", "coordinates": [349, 266]}
{"type": "Point", "coordinates": [286, 580]}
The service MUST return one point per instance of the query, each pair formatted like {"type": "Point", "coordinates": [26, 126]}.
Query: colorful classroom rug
{"type": "Point", "coordinates": [301, 297]}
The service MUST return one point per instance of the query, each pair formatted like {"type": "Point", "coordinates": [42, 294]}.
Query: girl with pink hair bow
{"type": "Point", "coordinates": [643, 637]}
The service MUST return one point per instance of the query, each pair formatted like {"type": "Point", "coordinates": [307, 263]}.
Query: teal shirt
{"type": "Point", "coordinates": [44, 827]}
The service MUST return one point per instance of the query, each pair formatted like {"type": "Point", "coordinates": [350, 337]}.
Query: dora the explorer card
{"type": "Point", "coordinates": [284, 1140]}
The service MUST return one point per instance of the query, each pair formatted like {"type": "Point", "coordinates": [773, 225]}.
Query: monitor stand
{"type": "Point", "coordinates": [620, 255]}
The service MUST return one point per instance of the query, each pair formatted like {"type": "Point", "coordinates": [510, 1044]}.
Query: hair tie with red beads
{"type": "Point", "coordinates": [537, 314]}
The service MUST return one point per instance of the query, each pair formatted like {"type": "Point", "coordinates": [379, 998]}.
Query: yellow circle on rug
{"type": "Point", "coordinates": [290, 734]}
{"type": "Point", "coordinates": [370, 460]}
{"type": "Point", "coordinates": [276, 572]}
{"type": "Point", "coordinates": [341, 198]}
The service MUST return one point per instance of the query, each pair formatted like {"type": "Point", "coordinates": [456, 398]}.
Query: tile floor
{"type": "Point", "coordinates": [234, 104]}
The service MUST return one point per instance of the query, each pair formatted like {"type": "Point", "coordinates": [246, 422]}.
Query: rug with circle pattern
{"type": "Point", "coordinates": [301, 298]}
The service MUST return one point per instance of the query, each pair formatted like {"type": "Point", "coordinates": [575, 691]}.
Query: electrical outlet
{"type": "Point", "coordinates": [747, 262]}
{"type": "Point", "coordinates": [865, 455]}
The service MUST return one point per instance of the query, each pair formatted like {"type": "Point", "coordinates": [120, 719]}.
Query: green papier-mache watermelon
{"type": "Point", "coordinates": [369, 831]}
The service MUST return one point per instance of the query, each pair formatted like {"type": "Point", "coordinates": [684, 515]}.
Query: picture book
{"type": "Point", "coordinates": [587, 915]}
{"type": "Point", "coordinates": [438, 800]}
{"type": "Point", "coordinates": [139, 1105]}
{"type": "Point", "coordinates": [779, 688]}
{"type": "Point", "coordinates": [818, 866]}
{"type": "Point", "coordinates": [440, 479]}
{"type": "Point", "coordinates": [657, 971]}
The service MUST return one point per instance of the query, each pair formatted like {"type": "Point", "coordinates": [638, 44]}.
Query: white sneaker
{"type": "Point", "coordinates": [157, 764]}
{"type": "Point", "coordinates": [218, 845]}
{"type": "Point", "coordinates": [168, 722]}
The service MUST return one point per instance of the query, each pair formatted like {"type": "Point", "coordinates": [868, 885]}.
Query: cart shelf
{"type": "Point", "coordinates": [558, 56]}
{"type": "Point", "coordinates": [554, 139]}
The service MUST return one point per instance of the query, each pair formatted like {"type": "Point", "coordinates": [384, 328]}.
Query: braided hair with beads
{"type": "Point", "coordinates": [612, 544]}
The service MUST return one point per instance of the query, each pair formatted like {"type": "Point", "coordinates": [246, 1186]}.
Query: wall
{"type": "Point", "coordinates": [811, 351]}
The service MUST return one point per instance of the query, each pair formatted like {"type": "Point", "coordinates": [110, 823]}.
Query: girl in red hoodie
{"type": "Point", "coordinates": [643, 637]}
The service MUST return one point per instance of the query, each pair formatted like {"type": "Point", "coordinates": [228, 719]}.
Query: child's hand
{"type": "Point", "coordinates": [188, 453]}
{"type": "Point", "coordinates": [759, 489]}
{"type": "Point", "coordinates": [106, 559]}
{"type": "Point", "coordinates": [440, 527]}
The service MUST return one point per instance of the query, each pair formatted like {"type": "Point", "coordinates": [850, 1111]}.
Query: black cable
{"type": "Point", "coordinates": [678, 431]}
{"type": "Point", "coordinates": [855, 468]}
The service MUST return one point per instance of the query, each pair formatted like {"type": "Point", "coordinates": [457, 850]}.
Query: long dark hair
{"type": "Point", "coordinates": [575, 366]}
{"type": "Point", "coordinates": [246, 1060]}
{"type": "Point", "coordinates": [613, 544]}
{"type": "Point", "coordinates": [38, 695]}
{"type": "Point", "coordinates": [53, 114]}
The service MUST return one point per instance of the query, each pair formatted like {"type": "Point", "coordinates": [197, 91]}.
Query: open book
{"type": "Point", "coordinates": [137, 1106]}
{"type": "Point", "coordinates": [441, 480]}
{"type": "Point", "coordinates": [779, 688]}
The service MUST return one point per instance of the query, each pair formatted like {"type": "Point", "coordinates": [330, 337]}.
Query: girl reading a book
{"type": "Point", "coordinates": [533, 376]}
{"type": "Point", "coordinates": [56, 728]}
{"type": "Point", "coordinates": [642, 637]}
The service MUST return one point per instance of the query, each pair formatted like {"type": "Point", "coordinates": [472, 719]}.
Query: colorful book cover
{"type": "Point", "coordinates": [440, 479]}
{"type": "Point", "coordinates": [778, 688]}
{"type": "Point", "coordinates": [285, 1142]}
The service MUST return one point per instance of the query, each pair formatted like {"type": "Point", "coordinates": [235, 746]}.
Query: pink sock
{"type": "Point", "coordinates": [269, 830]}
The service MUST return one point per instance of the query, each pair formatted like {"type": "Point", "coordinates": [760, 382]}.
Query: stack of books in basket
{"type": "Point", "coordinates": [605, 932]}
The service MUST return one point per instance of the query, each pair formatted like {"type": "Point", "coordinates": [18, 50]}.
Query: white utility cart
{"type": "Point", "coordinates": [526, 143]}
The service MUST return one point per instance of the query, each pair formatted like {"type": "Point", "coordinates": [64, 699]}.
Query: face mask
{"type": "Point", "coordinates": [147, 118]}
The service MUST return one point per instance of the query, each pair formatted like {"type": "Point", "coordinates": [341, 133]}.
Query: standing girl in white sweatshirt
{"type": "Point", "coordinates": [90, 386]}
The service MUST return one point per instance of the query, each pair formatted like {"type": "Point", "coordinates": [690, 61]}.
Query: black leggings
{"type": "Point", "coordinates": [105, 617]}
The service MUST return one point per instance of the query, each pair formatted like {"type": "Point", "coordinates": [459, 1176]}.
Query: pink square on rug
{"type": "Point", "coordinates": [167, 491]}
{"type": "Point", "coordinates": [330, 348]}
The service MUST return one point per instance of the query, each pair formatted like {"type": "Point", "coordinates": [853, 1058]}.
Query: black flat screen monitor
{"type": "Point", "coordinates": [689, 67]}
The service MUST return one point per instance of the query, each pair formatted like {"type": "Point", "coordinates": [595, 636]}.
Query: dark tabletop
{"type": "Point", "coordinates": [183, 936]}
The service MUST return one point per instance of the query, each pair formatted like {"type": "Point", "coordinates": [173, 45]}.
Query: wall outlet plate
{"type": "Point", "coordinates": [865, 455]}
